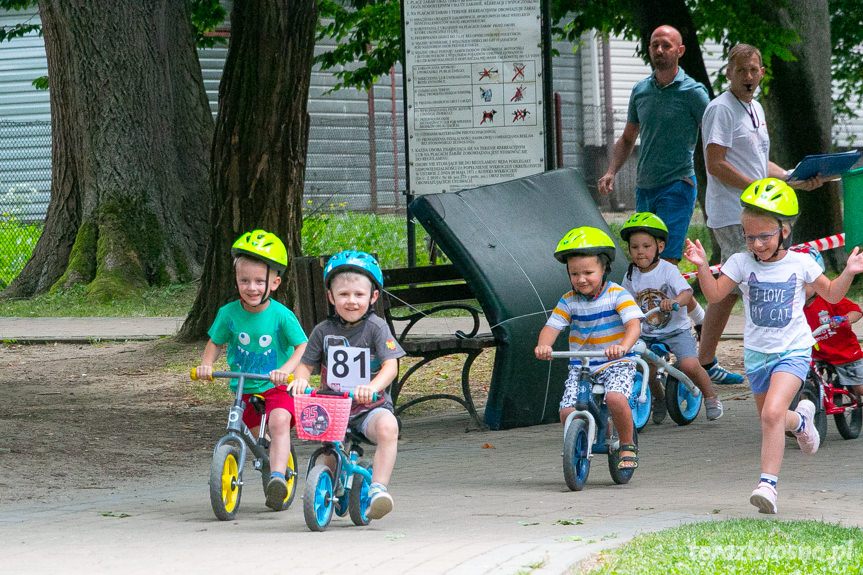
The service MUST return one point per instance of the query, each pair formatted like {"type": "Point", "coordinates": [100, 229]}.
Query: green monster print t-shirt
{"type": "Point", "coordinates": [257, 342]}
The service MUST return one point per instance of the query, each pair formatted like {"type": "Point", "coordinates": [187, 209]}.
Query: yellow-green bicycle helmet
{"type": "Point", "coordinates": [646, 222]}
{"type": "Point", "coordinates": [584, 241]}
{"type": "Point", "coordinates": [772, 196]}
{"type": "Point", "coordinates": [264, 246]}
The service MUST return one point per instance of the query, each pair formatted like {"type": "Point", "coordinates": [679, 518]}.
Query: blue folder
{"type": "Point", "coordinates": [828, 165]}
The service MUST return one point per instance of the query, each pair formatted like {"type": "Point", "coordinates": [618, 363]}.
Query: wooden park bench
{"type": "Point", "coordinates": [410, 296]}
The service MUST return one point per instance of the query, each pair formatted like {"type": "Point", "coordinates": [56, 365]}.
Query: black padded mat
{"type": "Point", "coordinates": [501, 238]}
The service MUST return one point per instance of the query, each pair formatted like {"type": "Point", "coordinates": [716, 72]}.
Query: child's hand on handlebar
{"type": "Point", "coordinates": [837, 320]}
{"type": "Point", "coordinates": [542, 352]}
{"type": "Point", "coordinates": [364, 394]}
{"type": "Point", "coordinates": [279, 376]}
{"type": "Point", "coordinates": [298, 386]}
{"type": "Point", "coordinates": [615, 351]}
{"type": "Point", "coordinates": [204, 372]}
{"type": "Point", "coordinates": [667, 304]}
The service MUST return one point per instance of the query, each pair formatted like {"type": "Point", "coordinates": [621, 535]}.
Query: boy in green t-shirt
{"type": "Point", "coordinates": [262, 336]}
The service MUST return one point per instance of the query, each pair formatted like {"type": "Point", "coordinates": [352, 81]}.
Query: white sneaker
{"type": "Point", "coordinates": [381, 502]}
{"type": "Point", "coordinates": [808, 438]}
{"type": "Point", "coordinates": [764, 498]}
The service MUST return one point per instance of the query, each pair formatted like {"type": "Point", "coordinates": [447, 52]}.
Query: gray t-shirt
{"type": "Point", "coordinates": [372, 333]}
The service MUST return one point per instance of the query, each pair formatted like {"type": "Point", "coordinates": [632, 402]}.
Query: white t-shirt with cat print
{"type": "Point", "coordinates": [773, 299]}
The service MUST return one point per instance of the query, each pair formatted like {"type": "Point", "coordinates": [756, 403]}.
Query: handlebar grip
{"type": "Point", "coordinates": [193, 373]}
{"type": "Point", "coordinates": [309, 390]}
{"type": "Point", "coordinates": [675, 306]}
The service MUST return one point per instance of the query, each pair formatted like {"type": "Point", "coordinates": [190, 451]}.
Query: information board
{"type": "Point", "coordinates": [474, 92]}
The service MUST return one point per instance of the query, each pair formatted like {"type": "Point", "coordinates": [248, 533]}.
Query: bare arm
{"type": "Point", "coordinates": [622, 150]}
{"type": "Point", "coordinates": [280, 376]}
{"type": "Point", "coordinates": [547, 337]}
{"type": "Point", "coordinates": [714, 289]}
{"type": "Point", "coordinates": [211, 354]}
{"type": "Point", "coordinates": [720, 168]}
{"type": "Point", "coordinates": [834, 291]}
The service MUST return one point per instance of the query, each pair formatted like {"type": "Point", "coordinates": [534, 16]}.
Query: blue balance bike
{"type": "Point", "coordinates": [589, 429]}
{"type": "Point", "coordinates": [229, 455]}
{"type": "Point", "coordinates": [683, 399]}
{"type": "Point", "coordinates": [340, 482]}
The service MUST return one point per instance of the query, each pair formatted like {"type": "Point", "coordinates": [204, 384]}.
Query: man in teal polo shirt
{"type": "Point", "coordinates": [665, 109]}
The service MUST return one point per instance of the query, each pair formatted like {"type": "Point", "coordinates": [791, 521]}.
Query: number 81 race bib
{"type": "Point", "coordinates": [348, 367]}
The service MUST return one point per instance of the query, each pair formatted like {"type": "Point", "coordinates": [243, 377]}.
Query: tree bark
{"type": "Point", "coordinates": [798, 105]}
{"type": "Point", "coordinates": [131, 131]}
{"type": "Point", "coordinates": [259, 150]}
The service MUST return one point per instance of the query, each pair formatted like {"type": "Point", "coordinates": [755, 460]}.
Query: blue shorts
{"type": "Point", "coordinates": [760, 366]}
{"type": "Point", "coordinates": [680, 343]}
{"type": "Point", "coordinates": [673, 203]}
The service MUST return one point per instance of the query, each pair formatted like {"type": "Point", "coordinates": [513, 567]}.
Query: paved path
{"type": "Point", "coordinates": [479, 502]}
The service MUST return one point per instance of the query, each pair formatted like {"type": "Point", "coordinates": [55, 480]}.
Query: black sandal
{"type": "Point", "coordinates": [628, 458]}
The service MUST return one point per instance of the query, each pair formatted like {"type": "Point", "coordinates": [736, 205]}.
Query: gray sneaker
{"type": "Point", "coordinates": [276, 492]}
{"type": "Point", "coordinates": [713, 408]}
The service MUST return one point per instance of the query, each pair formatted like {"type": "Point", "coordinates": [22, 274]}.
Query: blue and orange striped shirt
{"type": "Point", "coordinates": [595, 323]}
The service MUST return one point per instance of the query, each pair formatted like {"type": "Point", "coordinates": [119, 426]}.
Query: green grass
{"type": "Point", "coordinates": [17, 241]}
{"type": "Point", "coordinates": [169, 301]}
{"type": "Point", "coordinates": [741, 546]}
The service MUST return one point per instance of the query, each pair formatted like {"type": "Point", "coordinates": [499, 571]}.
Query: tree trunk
{"type": "Point", "coordinates": [259, 150]}
{"type": "Point", "coordinates": [131, 131]}
{"type": "Point", "coordinates": [799, 113]}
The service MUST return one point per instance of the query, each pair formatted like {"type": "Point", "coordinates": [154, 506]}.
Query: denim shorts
{"type": "Point", "coordinates": [681, 343]}
{"type": "Point", "coordinates": [760, 366]}
{"type": "Point", "coordinates": [673, 203]}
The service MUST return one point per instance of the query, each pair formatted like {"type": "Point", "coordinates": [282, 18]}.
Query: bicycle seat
{"type": "Point", "coordinates": [660, 349]}
{"type": "Point", "coordinates": [257, 401]}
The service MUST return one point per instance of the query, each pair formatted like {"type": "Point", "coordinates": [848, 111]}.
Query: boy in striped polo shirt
{"type": "Point", "coordinates": [601, 316]}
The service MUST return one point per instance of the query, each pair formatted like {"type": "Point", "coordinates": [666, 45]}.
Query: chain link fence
{"type": "Point", "coordinates": [355, 177]}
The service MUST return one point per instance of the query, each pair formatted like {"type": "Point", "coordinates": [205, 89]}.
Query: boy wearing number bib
{"type": "Point", "coordinates": [356, 351]}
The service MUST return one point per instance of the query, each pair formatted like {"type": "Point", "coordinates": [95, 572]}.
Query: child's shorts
{"type": "Point", "coordinates": [760, 366]}
{"type": "Point", "coordinates": [360, 422]}
{"type": "Point", "coordinates": [850, 373]}
{"type": "Point", "coordinates": [681, 343]}
{"type": "Point", "coordinates": [275, 397]}
{"type": "Point", "coordinates": [617, 377]}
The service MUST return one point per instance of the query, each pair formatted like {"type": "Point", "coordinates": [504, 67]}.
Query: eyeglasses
{"type": "Point", "coordinates": [763, 238]}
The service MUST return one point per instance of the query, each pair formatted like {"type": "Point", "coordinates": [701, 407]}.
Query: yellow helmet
{"type": "Point", "coordinates": [772, 196]}
{"type": "Point", "coordinates": [584, 241]}
{"type": "Point", "coordinates": [646, 222]}
{"type": "Point", "coordinates": [263, 246]}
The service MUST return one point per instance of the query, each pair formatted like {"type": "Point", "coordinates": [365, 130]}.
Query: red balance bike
{"type": "Point", "coordinates": [830, 397]}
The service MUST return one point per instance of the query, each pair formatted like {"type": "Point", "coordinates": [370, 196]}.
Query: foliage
{"type": "Point", "coordinates": [206, 15]}
{"type": "Point", "coordinates": [17, 240]}
{"type": "Point", "coordinates": [846, 36]}
{"type": "Point", "coordinates": [717, 21]}
{"type": "Point", "coordinates": [370, 33]}
{"type": "Point", "coordinates": [743, 546]}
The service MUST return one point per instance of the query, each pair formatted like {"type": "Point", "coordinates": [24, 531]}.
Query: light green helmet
{"type": "Point", "coordinates": [646, 222]}
{"type": "Point", "coordinates": [584, 241]}
{"type": "Point", "coordinates": [772, 196]}
{"type": "Point", "coordinates": [263, 246]}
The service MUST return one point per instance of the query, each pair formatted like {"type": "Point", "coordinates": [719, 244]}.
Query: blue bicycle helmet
{"type": "Point", "coordinates": [352, 260]}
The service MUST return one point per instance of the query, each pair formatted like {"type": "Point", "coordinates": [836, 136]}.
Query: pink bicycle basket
{"type": "Point", "coordinates": [322, 417]}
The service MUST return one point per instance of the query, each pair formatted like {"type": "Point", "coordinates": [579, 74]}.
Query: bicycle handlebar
{"type": "Point", "coordinates": [193, 373]}
{"type": "Point", "coordinates": [674, 307]}
{"type": "Point", "coordinates": [313, 391]}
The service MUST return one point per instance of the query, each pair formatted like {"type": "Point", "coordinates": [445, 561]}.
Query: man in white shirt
{"type": "Point", "coordinates": [736, 151]}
